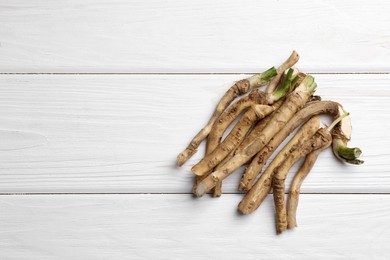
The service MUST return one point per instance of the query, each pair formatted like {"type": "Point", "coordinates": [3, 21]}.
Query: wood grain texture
{"type": "Point", "coordinates": [121, 133]}
{"type": "Point", "coordinates": [193, 36]}
{"type": "Point", "coordinates": [178, 226]}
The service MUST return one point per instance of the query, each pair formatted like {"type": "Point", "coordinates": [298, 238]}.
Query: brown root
{"type": "Point", "coordinates": [232, 140]}
{"type": "Point", "coordinates": [254, 168]}
{"type": "Point", "coordinates": [295, 188]}
{"type": "Point", "coordinates": [262, 187]}
{"type": "Point", "coordinates": [261, 158]}
{"type": "Point", "coordinates": [294, 101]}
{"type": "Point", "coordinates": [230, 114]}
{"type": "Point", "coordinates": [321, 140]}
{"type": "Point", "coordinates": [239, 88]}
{"type": "Point", "coordinates": [258, 128]}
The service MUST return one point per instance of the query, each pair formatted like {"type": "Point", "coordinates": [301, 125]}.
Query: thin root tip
{"type": "Point", "coordinates": [295, 54]}
{"type": "Point", "coordinates": [180, 159]}
{"type": "Point", "coordinates": [242, 187]}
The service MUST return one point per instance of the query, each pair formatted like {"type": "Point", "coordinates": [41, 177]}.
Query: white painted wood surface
{"type": "Point", "coordinates": [110, 133]}
{"type": "Point", "coordinates": [178, 226]}
{"type": "Point", "coordinates": [155, 70]}
{"type": "Point", "coordinates": [192, 36]}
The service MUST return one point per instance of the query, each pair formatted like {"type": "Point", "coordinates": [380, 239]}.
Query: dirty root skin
{"type": "Point", "coordinates": [215, 155]}
{"type": "Point", "coordinates": [320, 140]}
{"type": "Point", "coordinates": [239, 88]}
{"type": "Point", "coordinates": [304, 134]}
{"type": "Point", "coordinates": [262, 187]}
{"type": "Point", "coordinates": [291, 61]}
{"type": "Point", "coordinates": [294, 101]}
{"type": "Point", "coordinates": [295, 187]}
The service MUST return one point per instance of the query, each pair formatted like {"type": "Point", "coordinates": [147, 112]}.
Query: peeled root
{"type": "Point", "coordinates": [321, 140]}
{"type": "Point", "coordinates": [239, 88]}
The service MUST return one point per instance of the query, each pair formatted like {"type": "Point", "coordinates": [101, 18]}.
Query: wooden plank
{"type": "Point", "coordinates": [178, 226]}
{"type": "Point", "coordinates": [121, 134]}
{"type": "Point", "coordinates": [193, 36]}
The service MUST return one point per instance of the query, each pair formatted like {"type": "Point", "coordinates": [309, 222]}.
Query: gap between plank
{"type": "Point", "coordinates": [174, 193]}
{"type": "Point", "coordinates": [179, 73]}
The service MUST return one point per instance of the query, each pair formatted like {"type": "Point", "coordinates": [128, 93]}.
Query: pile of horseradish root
{"type": "Point", "coordinates": [264, 120]}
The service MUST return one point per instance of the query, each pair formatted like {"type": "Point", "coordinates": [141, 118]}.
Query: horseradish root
{"type": "Point", "coordinates": [262, 187]}
{"type": "Point", "coordinates": [294, 101]}
{"type": "Point", "coordinates": [259, 191]}
{"type": "Point", "coordinates": [256, 97]}
{"type": "Point", "coordinates": [295, 188]}
{"type": "Point", "coordinates": [262, 122]}
{"type": "Point", "coordinates": [239, 88]}
{"type": "Point", "coordinates": [261, 158]}
{"type": "Point", "coordinates": [249, 118]}
{"type": "Point", "coordinates": [321, 139]}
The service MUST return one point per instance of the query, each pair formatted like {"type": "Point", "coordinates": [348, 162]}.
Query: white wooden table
{"type": "Point", "coordinates": [98, 97]}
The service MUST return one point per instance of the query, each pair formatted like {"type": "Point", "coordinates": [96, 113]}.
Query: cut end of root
{"type": "Point", "coordinates": [200, 190]}
{"type": "Point", "coordinates": [338, 120]}
{"type": "Point", "coordinates": [349, 153]}
{"type": "Point", "coordinates": [308, 80]}
{"type": "Point", "coordinates": [307, 85]}
{"type": "Point", "coordinates": [357, 152]}
{"type": "Point", "coordinates": [181, 159]}
{"type": "Point", "coordinates": [294, 56]}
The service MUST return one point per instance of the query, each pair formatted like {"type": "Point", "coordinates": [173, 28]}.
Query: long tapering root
{"type": "Point", "coordinates": [295, 188]}
{"type": "Point", "coordinates": [294, 57]}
